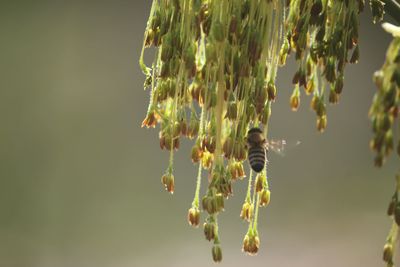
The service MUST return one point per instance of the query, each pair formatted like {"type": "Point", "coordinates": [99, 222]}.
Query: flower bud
{"type": "Point", "coordinates": [333, 97]}
{"type": "Point", "coordinates": [310, 86]}
{"type": "Point", "coordinates": [265, 197]}
{"type": "Point", "coordinates": [271, 91]}
{"type": "Point", "coordinates": [247, 211]}
{"type": "Point", "coordinates": [231, 112]}
{"type": "Point", "coordinates": [283, 53]}
{"type": "Point", "coordinates": [207, 160]}
{"type": "Point", "coordinates": [168, 181]}
{"type": "Point", "coordinates": [388, 253]}
{"type": "Point", "coordinates": [251, 243]}
{"type": "Point", "coordinates": [295, 100]}
{"type": "Point", "coordinates": [196, 154]}
{"type": "Point", "coordinates": [339, 84]}
{"type": "Point", "coordinates": [150, 120]}
{"type": "Point", "coordinates": [321, 123]}
{"type": "Point", "coordinates": [228, 147]}
{"type": "Point", "coordinates": [209, 230]}
{"type": "Point", "coordinates": [194, 216]}
{"type": "Point", "coordinates": [261, 181]}
{"type": "Point", "coordinates": [392, 206]}
{"type": "Point", "coordinates": [210, 144]}
{"type": "Point", "coordinates": [329, 72]}
{"type": "Point", "coordinates": [314, 103]}
{"type": "Point", "coordinates": [217, 253]}
{"type": "Point", "coordinates": [389, 143]}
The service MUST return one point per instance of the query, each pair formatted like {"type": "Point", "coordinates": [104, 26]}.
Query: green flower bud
{"type": "Point", "coordinates": [209, 230]}
{"type": "Point", "coordinates": [217, 253]}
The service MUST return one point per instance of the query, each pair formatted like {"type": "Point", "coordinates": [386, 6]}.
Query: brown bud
{"type": "Point", "coordinates": [261, 180]}
{"type": "Point", "coordinates": [271, 91]}
{"type": "Point", "coordinates": [388, 253]}
{"type": "Point", "coordinates": [240, 170]}
{"type": "Point", "coordinates": [168, 181]}
{"type": "Point", "coordinates": [210, 144]}
{"type": "Point", "coordinates": [194, 216]}
{"type": "Point", "coordinates": [294, 101]}
{"type": "Point", "coordinates": [247, 211]}
{"type": "Point", "coordinates": [150, 120]}
{"type": "Point", "coordinates": [251, 243]}
{"type": "Point", "coordinates": [196, 154]}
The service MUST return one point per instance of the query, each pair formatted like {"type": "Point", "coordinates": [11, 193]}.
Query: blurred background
{"type": "Point", "coordinates": [80, 180]}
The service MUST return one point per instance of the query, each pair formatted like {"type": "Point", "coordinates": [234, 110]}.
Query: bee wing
{"type": "Point", "coordinates": [281, 146]}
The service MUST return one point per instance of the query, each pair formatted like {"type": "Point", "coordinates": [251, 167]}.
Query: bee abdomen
{"type": "Point", "coordinates": [257, 158]}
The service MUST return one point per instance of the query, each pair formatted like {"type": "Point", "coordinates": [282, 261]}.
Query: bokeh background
{"type": "Point", "coordinates": [80, 180]}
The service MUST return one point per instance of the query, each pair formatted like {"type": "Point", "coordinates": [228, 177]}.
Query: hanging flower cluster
{"type": "Point", "coordinates": [213, 78]}
{"type": "Point", "coordinates": [385, 108]}
{"type": "Point", "coordinates": [384, 114]}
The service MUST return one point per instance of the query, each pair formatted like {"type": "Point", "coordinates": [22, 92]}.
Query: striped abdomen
{"type": "Point", "coordinates": [257, 158]}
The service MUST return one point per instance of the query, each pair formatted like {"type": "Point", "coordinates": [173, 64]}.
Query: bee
{"type": "Point", "coordinates": [258, 147]}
